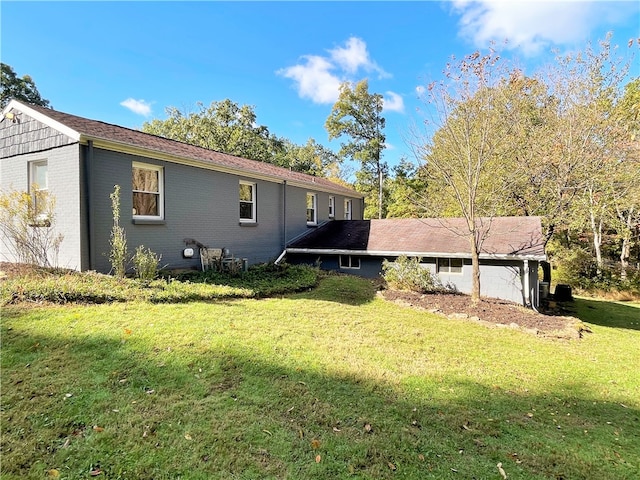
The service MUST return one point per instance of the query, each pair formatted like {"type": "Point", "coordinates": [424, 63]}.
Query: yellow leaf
{"type": "Point", "coordinates": [53, 473]}
{"type": "Point", "coordinates": [96, 428]}
{"type": "Point", "coordinates": [318, 458]}
{"type": "Point", "coordinates": [187, 436]}
{"type": "Point", "coordinates": [315, 444]}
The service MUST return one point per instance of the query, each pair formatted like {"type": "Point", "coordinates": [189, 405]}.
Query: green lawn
{"type": "Point", "coordinates": [329, 383]}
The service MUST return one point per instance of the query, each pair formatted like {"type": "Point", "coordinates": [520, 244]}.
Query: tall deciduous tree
{"type": "Point", "coordinates": [21, 88]}
{"type": "Point", "coordinates": [224, 126]}
{"type": "Point", "coordinates": [468, 160]}
{"type": "Point", "coordinates": [357, 116]}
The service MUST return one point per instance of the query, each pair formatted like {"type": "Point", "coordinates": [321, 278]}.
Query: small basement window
{"type": "Point", "coordinates": [349, 261]}
{"type": "Point", "coordinates": [449, 265]}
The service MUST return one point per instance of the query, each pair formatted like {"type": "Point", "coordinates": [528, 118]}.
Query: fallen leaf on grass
{"type": "Point", "coordinates": [392, 466]}
{"type": "Point", "coordinates": [53, 473]}
{"type": "Point", "coordinates": [368, 428]}
{"type": "Point", "coordinates": [336, 429]}
{"type": "Point", "coordinates": [127, 331]}
{"type": "Point", "coordinates": [96, 428]}
{"type": "Point", "coordinates": [318, 458]}
{"type": "Point", "coordinates": [95, 472]}
{"type": "Point", "coordinates": [188, 436]}
{"type": "Point", "coordinates": [501, 470]}
{"type": "Point", "coordinates": [315, 444]}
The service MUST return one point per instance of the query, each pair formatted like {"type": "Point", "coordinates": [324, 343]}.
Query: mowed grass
{"type": "Point", "coordinates": [329, 383]}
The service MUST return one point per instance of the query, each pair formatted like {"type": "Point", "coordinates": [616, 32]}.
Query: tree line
{"type": "Point", "coordinates": [560, 143]}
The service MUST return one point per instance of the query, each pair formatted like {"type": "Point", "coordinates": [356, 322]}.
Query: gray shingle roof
{"type": "Point", "coordinates": [507, 236]}
{"type": "Point", "coordinates": [116, 135]}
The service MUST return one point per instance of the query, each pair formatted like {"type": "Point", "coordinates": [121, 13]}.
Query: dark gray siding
{"type": "Point", "coordinates": [26, 135]}
{"type": "Point", "coordinates": [200, 204]}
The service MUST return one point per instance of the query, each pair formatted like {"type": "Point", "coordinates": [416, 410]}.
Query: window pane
{"type": "Point", "coordinates": [40, 175]}
{"type": "Point", "coordinates": [246, 192]}
{"type": "Point", "coordinates": [246, 210]}
{"type": "Point", "coordinates": [145, 180]}
{"type": "Point", "coordinates": [456, 265]}
{"type": "Point", "coordinates": [443, 264]}
{"type": "Point", "coordinates": [145, 204]}
{"type": "Point", "coordinates": [311, 201]}
{"type": "Point", "coordinates": [310, 215]}
{"type": "Point", "coordinates": [344, 261]}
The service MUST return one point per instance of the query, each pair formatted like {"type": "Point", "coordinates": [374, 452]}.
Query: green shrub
{"type": "Point", "coordinates": [118, 239]}
{"type": "Point", "coordinates": [408, 274]}
{"type": "Point", "coordinates": [145, 264]}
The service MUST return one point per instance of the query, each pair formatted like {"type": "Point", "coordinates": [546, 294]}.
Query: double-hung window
{"type": "Point", "coordinates": [148, 192]}
{"type": "Point", "coordinates": [39, 189]}
{"type": "Point", "coordinates": [332, 206]}
{"type": "Point", "coordinates": [347, 209]}
{"type": "Point", "coordinates": [449, 265]}
{"type": "Point", "coordinates": [247, 202]}
{"type": "Point", "coordinates": [312, 209]}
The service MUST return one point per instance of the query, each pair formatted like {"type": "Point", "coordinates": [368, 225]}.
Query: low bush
{"type": "Point", "coordinates": [42, 285]}
{"type": "Point", "coordinates": [145, 264]}
{"type": "Point", "coordinates": [409, 274]}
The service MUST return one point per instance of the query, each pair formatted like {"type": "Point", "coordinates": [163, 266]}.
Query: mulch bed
{"type": "Point", "coordinates": [490, 312]}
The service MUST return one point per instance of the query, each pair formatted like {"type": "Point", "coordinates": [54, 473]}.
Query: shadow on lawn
{"type": "Point", "coordinates": [606, 313]}
{"type": "Point", "coordinates": [197, 412]}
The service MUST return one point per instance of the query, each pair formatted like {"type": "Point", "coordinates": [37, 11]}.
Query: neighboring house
{"type": "Point", "coordinates": [170, 191]}
{"type": "Point", "coordinates": [509, 257]}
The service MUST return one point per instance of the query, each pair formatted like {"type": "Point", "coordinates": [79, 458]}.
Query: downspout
{"type": "Point", "coordinates": [88, 191]}
{"type": "Point", "coordinates": [284, 223]}
{"type": "Point", "coordinates": [527, 296]}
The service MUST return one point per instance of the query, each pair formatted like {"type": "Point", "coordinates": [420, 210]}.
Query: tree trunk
{"type": "Point", "coordinates": [596, 229]}
{"type": "Point", "coordinates": [475, 264]}
{"type": "Point", "coordinates": [625, 253]}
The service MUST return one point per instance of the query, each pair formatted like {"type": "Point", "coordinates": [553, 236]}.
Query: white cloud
{"type": "Point", "coordinates": [314, 79]}
{"type": "Point", "coordinates": [318, 78]}
{"type": "Point", "coordinates": [393, 103]}
{"type": "Point", "coordinates": [354, 56]}
{"type": "Point", "coordinates": [140, 107]}
{"type": "Point", "coordinates": [532, 26]}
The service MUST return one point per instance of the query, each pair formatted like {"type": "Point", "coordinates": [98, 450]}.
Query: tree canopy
{"type": "Point", "coordinates": [357, 117]}
{"type": "Point", "coordinates": [21, 88]}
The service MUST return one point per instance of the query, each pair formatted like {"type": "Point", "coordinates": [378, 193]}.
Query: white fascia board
{"type": "Point", "coordinates": [375, 253]}
{"type": "Point", "coordinates": [21, 107]}
{"type": "Point", "coordinates": [167, 157]}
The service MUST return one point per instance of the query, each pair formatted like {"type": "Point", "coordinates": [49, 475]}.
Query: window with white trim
{"type": "Point", "coordinates": [39, 189]}
{"type": "Point", "coordinates": [312, 209]}
{"type": "Point", "coordinates": [347, 209]}
{"type": "Point", "coordinates": [247, 202]}
{"type": "Point", "coordinates": [148, 191]}
{"type": "Point", "coordinates": [449, 265]}
{"type": "Point", "coordinates": [349, 261]}
{"type": "Point", "coordinates": [332, 206]}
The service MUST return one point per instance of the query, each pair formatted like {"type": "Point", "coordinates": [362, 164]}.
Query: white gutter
{"type": "Point", "coordinates": [390, 253]}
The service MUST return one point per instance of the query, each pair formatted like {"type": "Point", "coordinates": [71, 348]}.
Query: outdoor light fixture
{"type": "Point", "coordinates": [187, 253]}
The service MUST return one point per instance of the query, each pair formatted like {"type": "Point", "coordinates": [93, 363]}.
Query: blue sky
{"type": "Point", "coordinates": [124, 62]}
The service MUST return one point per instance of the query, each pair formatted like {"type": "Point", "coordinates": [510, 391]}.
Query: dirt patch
{"type": "Point", "coordinates": [490, 312]}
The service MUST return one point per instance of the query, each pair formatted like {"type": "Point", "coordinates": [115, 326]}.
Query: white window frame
{"type": "Point", "coordinates": [160, 193]}
{"type": "Point", "coordinates": [332, 206]}
{"type": "Point", "coordinates": [352, 262]}
{"type": "Point", "coordinates": [39, 193]}
{"type": "Point", "coordinates": [347, 208]}
{"type": "Point", "coordinates": [253, 202]}
{"type": "Point", "coordinates": [448, 268]}
{"type": "Point", "coordinates": [314, 208]}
